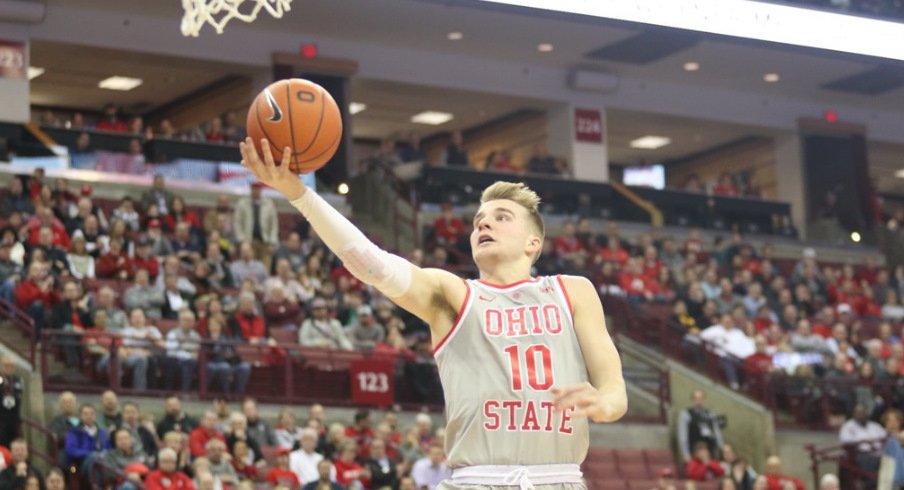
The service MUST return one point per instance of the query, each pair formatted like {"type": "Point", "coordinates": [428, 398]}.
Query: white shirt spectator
{"type": "Point", "coordinates": [426, 474]}
{"type": "Point", "coordinates": [304, 465]}
{"type": "Point", "coordinates": [853, 431]}
{"type": "Point", "coordinates": [181, 344]}
{"type": "Point", "coordinates": [140, 338]}
{"type": "Point", "coordinates": [729, 341]}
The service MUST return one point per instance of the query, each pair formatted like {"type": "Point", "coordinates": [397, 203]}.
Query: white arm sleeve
{"type": "Point", "coordinates": [387, 272]}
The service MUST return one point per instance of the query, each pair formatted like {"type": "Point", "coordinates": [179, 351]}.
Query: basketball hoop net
{"type": "Point", "coordinates": [219, 12]}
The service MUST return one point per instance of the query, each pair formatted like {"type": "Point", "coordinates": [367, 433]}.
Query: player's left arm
{"type": "Point", "coordinates": [605, 398]}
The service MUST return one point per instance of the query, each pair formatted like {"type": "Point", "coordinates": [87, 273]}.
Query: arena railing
{"type": "Point", "coordinates": [24, 324]}
{"type": "Point", "coordinates": [280, 373]}
{"type": "Point", "coordinates": [844, 457]}
{"type": "Point", "coordinates": [38, 437]}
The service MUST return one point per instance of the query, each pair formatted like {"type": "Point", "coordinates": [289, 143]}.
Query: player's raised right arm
{"type": "Point", "coordinates": [427, 293]}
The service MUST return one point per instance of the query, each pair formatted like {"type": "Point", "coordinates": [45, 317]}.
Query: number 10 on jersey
{"type": "Point", "coordinates": [535, 361]}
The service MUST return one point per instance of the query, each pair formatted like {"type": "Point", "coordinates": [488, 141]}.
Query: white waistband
{"type": "Point", "coordinates": [524, 477]}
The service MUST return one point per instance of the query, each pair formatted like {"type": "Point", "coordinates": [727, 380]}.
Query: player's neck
{"type": "Point", "coordinates": [505, 275]}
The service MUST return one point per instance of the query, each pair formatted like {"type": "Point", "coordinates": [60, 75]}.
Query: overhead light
{"type": "Point", "coordinates": [691, 66]}
{"type": "Point", "coordinates": [433, 118]}
{"type": "Point", "coordinates": [771, 77]}
{"type": "Point", "coordinates": [545, 47]}
{"type": "Point", "coordinates": [343, 188]}
{"type": "Point", "coordinates": [900, 174]}
{"type": "Point", "coordinates": [34, 72]}
{"type": "Point", "coordinates": [855, 237]}
{"type": "Point", "coordinates": [650, 142]}
{"type": "Point", "coordinates": [356, 107]}
{"type": "Point", "coordinates": [455, 36]}
{"type": "Point", "coordinates": [119, 83]}
{"type": "Point", "coordinates": [746, 19]}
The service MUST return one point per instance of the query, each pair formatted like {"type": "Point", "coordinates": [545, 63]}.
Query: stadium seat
{"type": "Point", "coordinates": [658, 458]}
{"type": "Point", "coordinates": [601, 468]}
{"type": "Point", "coordinates": [607, 484]}
{"type": "Point", "coordinates": [634, 471]}
{"type": "Point", "coordinates": [629, 457]}
{"type": "Point", "coordinates": [284, 336]}
{"type": "Point", "coordinates": [647, 484]}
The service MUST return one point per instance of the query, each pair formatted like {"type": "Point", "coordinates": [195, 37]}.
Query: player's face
{"type": "Point", "coordinates": [502, 232]}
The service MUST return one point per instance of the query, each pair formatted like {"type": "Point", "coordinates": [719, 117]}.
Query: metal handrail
{"type": "Point", "coordinates": [24, 323]}
{"type": "Point", "coordinates": [51, 456]}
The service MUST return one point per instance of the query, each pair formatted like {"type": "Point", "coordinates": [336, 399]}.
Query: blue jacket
{"type": "Point", "coordinates": [80, 444]}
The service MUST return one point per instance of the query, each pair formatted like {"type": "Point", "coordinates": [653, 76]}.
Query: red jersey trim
{"type": "Point", "coordinates": [567, 298]}
{"type": "Point", "coordinates": [458, 319]}
{"type": "Point", "coordinates": [509, 286]}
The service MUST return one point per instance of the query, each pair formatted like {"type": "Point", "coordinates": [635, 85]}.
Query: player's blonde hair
{"type": "Point", "coordinates": [521, 194]}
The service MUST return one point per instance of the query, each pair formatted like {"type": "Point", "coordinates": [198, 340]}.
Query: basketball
{"type": "Point", "coordinates": [301, 115]}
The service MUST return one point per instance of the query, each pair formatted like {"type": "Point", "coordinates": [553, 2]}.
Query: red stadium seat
{"type": "Point", "coordinates": [607, 484]}
{"type": "Point", "coordinates": [659, 458]}
{"type": "Point", "coordinates": [629, 456]}
{"type": "Point", "coordinates": [284, 336]}
{"type": "Point", "coordinates": [634, 471]}
{"type": "Point", "coordinates": [600, 453]}
{"type": "Point", "coordinates": [601, 468]}
{"type": "Point", "coordinates": [644, 484]}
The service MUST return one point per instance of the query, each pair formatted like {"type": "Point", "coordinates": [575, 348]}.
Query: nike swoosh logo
{"type": "Point", "coordinates": [277, 112]}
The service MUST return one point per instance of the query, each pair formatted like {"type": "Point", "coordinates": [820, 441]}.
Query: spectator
{"type": "Point", "coordinates": [291, 249]}
{"type": "Point", "coordinates": [281, 474]}
{"type": "Point", "coordinates": [116, 263]}
{"type": "Point", "coordinates": [36, 295]}
{"type": "Point", "coordinates": [866, 436]}
{"type": "Point", "coordinates": [805, 341]}
{"type": "Point", "coordinates": [20, 468]}
{"type": "Point", "coordinates": [775, 478]}
{"type": "Point", "coordinates": [430, 470]}
{"type": "Point", "coordinates": [71, 316]}
{"type": "Point", "coordinates": [698, 424]}
{"type": "Point", "coordinates": [126, 213]}
{"type": "Point", "coordinates": [215, 131]}
{"type": "Point", "coordinates": [158, 196]}
{"type": "Point", "coordinates": [160, 245]}
{"type": "Point", "coordinates": [613, 252]}
{"type": "Point", "coordinates": [829, 482]}
{"type": "Point", "coordinates": [321, 330]}
{"type": "Point", "coordinates": [258, 429]}
{"type": "Point", "coordinates": [219, 217]}
{"type": "Point", "coordinates": [257, 224]}
{"type": "Point", "coordinates": [184, 244]}
{"type": "Point", "coordinates": [174, 298]}
{"type": "Point", "coordinates": [116, 318]}
{"type": "Point", "coordinates": [144, 296]}
{"type": "Point", "coordinates": [325, 475]}
{"type": "Point", "coordinates": [123, 454]}
{"type": "Point", "coordinates": [12, 386]}
{"type": "Point", "coordinates": [111, 121]}
{"type": "Point", "coordinates": [247, 267]}
{"type": "Point", "coordinates": [219, 464]}
{"type": "Point", "coordinates": [204, 433]}
{"type": "Point", "coordinates": [448, 228]}
{"type": "Point", "coordinates": [349, 473]}
{"type": "Point", "coordinates": [286, 280]}
{"type": "Point", "coordinates": [232, 131]}
{"type": "Point", "coordinates": [143, 440]}
{"type": "Point", "coordinates": [178, 442]}
{"type": "Point", "coordinates": [737, 468]}
{"type": "Point", "coordinates": [365, 333]}
{"type": "Point", "coordinates": [167, 476]}
{"type": "Point", "coordinates": [81, 263]}
{"type": "Point", "coordinates": [173, 267]}
{"type": "Point", "coordinates": [15, 199]}
{"type": "Point", "coordinates": [86, 441]}
{"type": "Point", "coordinates": [110, 416]}
{"type": "Point", "coordinates": [568, 247]}
{"type": "Point", "coordinates": [304, 461]}
{"type": "Point", "coordinates": [238, 432]}
{"type": "Point", "coordinates": [287, 433]}
{"type": "Point", "coordinates": [730, 344]}
{"type": "Point", "coordinates": [139, 342]}
{"type": "Point", "coordinates": [175, 419]}
{"type": "Point", "coordinates": [182, 345]}
{"type": "Point", "coordinates": [67, 417]}
{"type": "Point", "coordinates": [725, 186]}
{"type": "Point", "coordinates": [541, 162]}
{"type": "Point", "coordinates": [53, 253]}
{"type": "Point", "coordinates": [225, 369]}
{"type": "Point", "coordinates": [702, 467]}
{"type": "Point", "coordinates": [361, 432]}
{"type": "Point", "coordinates": [456, 155]}
{"type": "Point", "coordinates": [246, 323]}
{"type": "Point", "coordinates": [279, 311]}
{"type": "Point", "coordinates": [382, 469]}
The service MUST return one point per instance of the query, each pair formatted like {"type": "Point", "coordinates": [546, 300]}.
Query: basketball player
{"type": "Point", "coordinates": [524, 362]}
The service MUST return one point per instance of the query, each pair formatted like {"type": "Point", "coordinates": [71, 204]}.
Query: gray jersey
{"type": "Point", "coordinates": [509, 347]}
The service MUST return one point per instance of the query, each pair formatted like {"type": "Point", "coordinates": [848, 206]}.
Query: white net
{"type": "Point", "coordinates": [219, 12]}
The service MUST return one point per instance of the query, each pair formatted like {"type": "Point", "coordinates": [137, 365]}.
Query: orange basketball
{"type": "Point", "coordinates": [301, 115]}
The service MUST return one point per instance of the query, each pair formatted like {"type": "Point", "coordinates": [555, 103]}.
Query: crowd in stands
{"type": "Point", "coordinates": [396, 151]}
{"type": "Point", "coordinates": [221, 129]}
{"type": "Point", "coordinates": [728, 185]}
{"type": "Point", "coordinates": [152, 283]}
{"type": "Point", "coordinates": [116, 445]}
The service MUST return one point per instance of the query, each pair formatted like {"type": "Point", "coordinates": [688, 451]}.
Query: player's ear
{"type": "Point", "coordinates": [534, 244]}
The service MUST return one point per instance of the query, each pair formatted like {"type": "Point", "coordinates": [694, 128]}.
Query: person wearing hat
{"type": "Point", "coordinates": [322, 330]}
{"type": "Point", "coordinates": [255, 221]}
{"type": "Point", "coordinates": [364, 331]}
{"type": "Point", "coordinates": [666, 479]}
{"type": "Point", "coordinates": [281, 474]}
